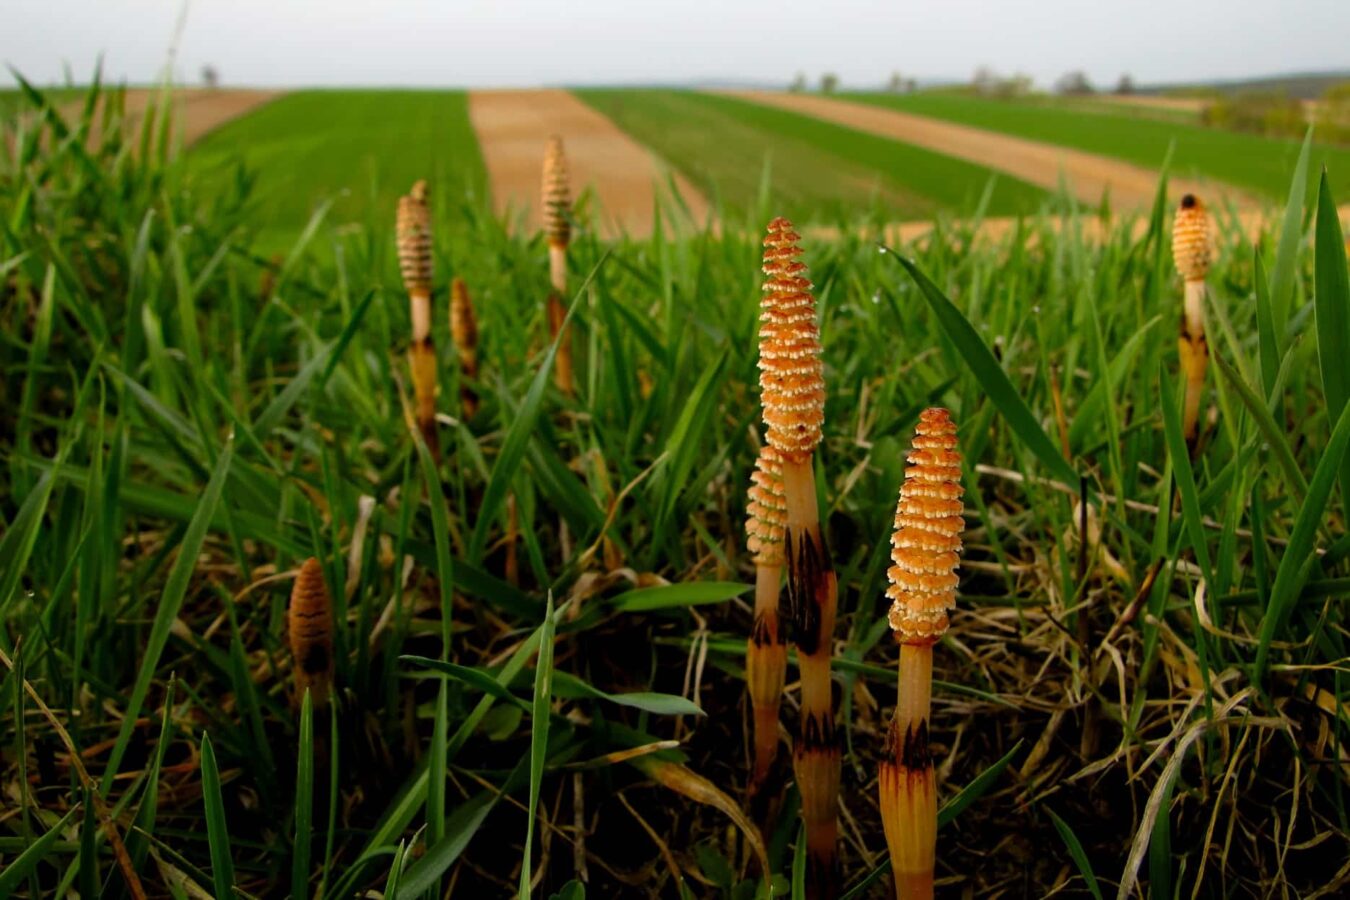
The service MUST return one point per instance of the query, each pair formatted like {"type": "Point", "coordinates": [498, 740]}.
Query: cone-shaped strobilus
{"type": "Point", "coordinates": [925, 553]}
{"type": "Point", "coordinates": [413, 229]}
{"type": "Point", "coordinates": [1191, 245]}
{"type": "Point", "coordinates": [792, 391]}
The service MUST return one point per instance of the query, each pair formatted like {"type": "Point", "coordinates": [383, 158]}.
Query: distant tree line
{"type": "Point", "coordinates": [1275, 113]}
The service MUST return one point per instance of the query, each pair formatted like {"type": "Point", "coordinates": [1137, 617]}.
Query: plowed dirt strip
{"type": "Point", "coordinates": [512, 129]}
{"type": "Point", "coordinates": [1251, 222]}
{"type": "Point", "coordinates": [196, 111]}
{"type": "Point", "coordinates": [1090, 175]}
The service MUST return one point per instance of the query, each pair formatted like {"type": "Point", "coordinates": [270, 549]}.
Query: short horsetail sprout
{"type": "Point", "coordinates": [557, 209]}
{"type": "Point", "coordinates": [925, 550]}
{"type": "Point", "coordinates": [414, 258]}
{"type": "Point", "coordinates": [464, 332]}
{"type": "Point", "coordinates": [1190, 252]}
{"type": "Point", "coordinates": [309, 627]}
{"type": "Point", "coordinates": [792, 390]}
{"type": "Point", "coordinates": [766, 650]}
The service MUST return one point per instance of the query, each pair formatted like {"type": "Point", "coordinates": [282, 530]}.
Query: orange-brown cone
{"type": "Point", "coordinates": [927, 538]}
{"type": "Point", "coordinates": [556, 193]}
{"type": "Point", "coordinates": [766, 510]}
{"type": "Point", "coordinates": [1191, 244]}
{"type": "Point", "coordinates": [309, 626]}
{"type": "Point", "coordinates": [413, 230]}
{"type": "Point", "coordinates": [791, 377]}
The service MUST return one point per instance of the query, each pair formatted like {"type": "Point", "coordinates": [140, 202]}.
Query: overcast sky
{"type": "Point", "coordinates": [531, 42]}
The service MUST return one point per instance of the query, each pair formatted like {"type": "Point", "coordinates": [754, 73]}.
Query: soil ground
{"type": "Point", "coordinates": [197, 110]}
{"type": "Point", "coordinates": [513, 128]}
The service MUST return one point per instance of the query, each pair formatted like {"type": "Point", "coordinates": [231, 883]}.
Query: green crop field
{"type": "Point", "coordinates": [1257, 163]}
{"type": "Point", "coordinates": [815, 170]}
{"type": "Point", "coordinates": [539, 635]}
{"type": "Point", "coordinates": [359, 148]}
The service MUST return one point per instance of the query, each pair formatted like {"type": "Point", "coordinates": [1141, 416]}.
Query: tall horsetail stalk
{"type": "Point", "coordinates": [925, 549]}
{"type": "Point", "coordinates": [464, 332]}
{"type": "Point", "coordinates": [792, 388]}
{"type": "Point", "coordinates": [1191, 251]}
{"type": "Point", "coordinates": [309, 630]}
{"type": "Point", "coordinates": [414, 258]}
{"type": "Point", "coordinates": [766, 648]}
{"type": "Point", "coordinates": [557, 205]}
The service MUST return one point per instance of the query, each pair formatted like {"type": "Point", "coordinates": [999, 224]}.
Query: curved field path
{"type": "Point", "coordinates": [1131, 186]}
{"type": "Point", "coordinates": [513, 128]}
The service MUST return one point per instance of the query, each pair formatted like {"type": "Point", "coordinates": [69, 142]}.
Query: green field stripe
{"type": "Point", "coordinates": [1250, 161]}
{"type": "Point", "coordinates": [816, 169]}
{"type": "Point", "coordinates": [364, 148]}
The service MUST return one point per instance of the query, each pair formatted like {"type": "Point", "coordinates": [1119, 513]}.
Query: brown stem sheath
{"type": "Point", "coordinates": [1193, 349]}
{"type": "Point", "coordinates": [816, 757]}
{"type": "Point", "coordinates": [907, 785]}
{"type": "Point", "coordinates": [765, 671]}
{"type": "Point", "coordinates": [464, 332]}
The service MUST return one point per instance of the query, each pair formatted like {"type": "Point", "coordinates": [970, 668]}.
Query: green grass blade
{"type": "Point", "coordinates": [170, 602]}
{"type": "Point", "coordinates": [1077, 853]}
{"type": "Point", "coordinates": [217, 829]}
{"type": "Point", "coordinates": [1331, 303]}
{"type": "Point", "coordinates": [673, 596]}
{"type": "Point", "coordinates": [989, 373]}
{"type": "Point", "coordinates": [519, 434]}
{"type": "Point", "coordinates": [475, 678]}
{"type": "Point", "coordinates": [304, 801]}
{"type": "Point", "coordinates": [20, 537]}
{"type": "Point", "coordinates": [14, 875]}
{"type": "Point", "coordinates": [799, 865]}
{"type": "Point", "coordinates": [1267, 342]}
{"type": "Point", "coordinates": [137, 844]}
{"type": "Point", "coordinates": [440, 528]}
{"type": "Point", "coordinates": [1291, 229]}
{"type": "Point", "coordinates": [1265, 422]}
{"type": "Point", "coordinates": [647, 701]}
{"type": "Point", "coordinates": [1191, 515]}
{"type": "Point", "coordinates": [460, 829]}
{"type": "Point", "coordinates": [543, 702]}
{"type": "Point", "coordinates": [1292, 570]}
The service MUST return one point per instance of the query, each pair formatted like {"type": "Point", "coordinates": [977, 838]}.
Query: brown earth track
{"type": "Point", "coordinates": [1153, 101]}
{"type": "Point", "coordinates": [513, 128]}
{"type": "Point", "coordinates": [197, 111]}
{"type": "Point", "coordinates": [1090, 175]}
{"type": "Point", "coordinates": [1251, 222]}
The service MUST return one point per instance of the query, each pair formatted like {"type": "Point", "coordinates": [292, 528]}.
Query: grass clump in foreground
{"type": "Point", "coordinates": [1141, 686]}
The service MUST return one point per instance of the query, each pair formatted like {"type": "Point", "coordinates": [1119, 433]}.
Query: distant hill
{"type": "Point", "coordinates": [1300, 85]}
